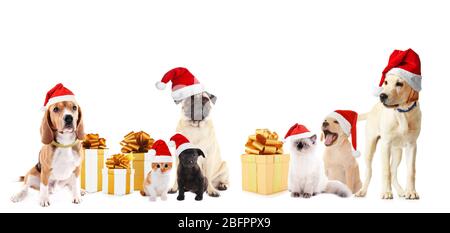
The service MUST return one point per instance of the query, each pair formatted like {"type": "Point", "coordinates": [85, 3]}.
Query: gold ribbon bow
{"type": "Point", "coordinates": [93, 141]}
{"type": "Point", "coordinates": [139, 142]}
{"type": "Point", "coordinates": [119, 161]}
{"type": "Point", "coordinates": [264, 142]}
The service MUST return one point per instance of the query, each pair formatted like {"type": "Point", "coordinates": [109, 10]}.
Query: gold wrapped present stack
{"type": "Point", "coordinates": [118, 176]}
{"type": "Point", "coordinates": [138, 144]}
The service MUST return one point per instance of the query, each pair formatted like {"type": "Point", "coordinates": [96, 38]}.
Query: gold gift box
{"type": "Point", "coordinates": [142, 164]}
{"type": "Point", "coordinates": [118, 181]}
{"type": "Point", "coordinates": [265, 174]}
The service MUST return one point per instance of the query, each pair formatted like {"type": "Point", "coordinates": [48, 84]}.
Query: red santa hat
{"type": "Point", "coordinates": [160, 152]}
{"type": "Point", "coordinates": [297, 131]}
{"type": "Point", "coordinates": [184, 84]}
{"type": "Point", "coordinates": [57, 94]}
{"type": "Point", "coordinates": [181, 143]}
{"type": "Point", "coordinates": [406, 65]}
{"type": "Point", "coordinates": [347, 120]}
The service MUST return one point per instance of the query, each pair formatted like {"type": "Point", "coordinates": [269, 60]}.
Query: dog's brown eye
{"type": "Point", "coordinates": [74, 108]}
{"type": "Point", "coordinates": [385, 82]}
{"type": "Point", "coordinates": [399, 84]}
{"type": "Point", "coordinates": [56, 109]}
{"type": "Point", "coordinates": [337, 122]}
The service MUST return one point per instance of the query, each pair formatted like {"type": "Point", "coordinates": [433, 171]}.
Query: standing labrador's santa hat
{"type": "Point", "coordinates": [181, 143]}
{"type": "Point", "coordinates": [57, 94]}
{"type": "Point", "coordinates": [406, 65]}
{"type": "Point", "coordinates": [160, 152]}
{"type": "Point", "coordinates": [347, 120]}
{"type": "Point", "coordinates": [184, 84]}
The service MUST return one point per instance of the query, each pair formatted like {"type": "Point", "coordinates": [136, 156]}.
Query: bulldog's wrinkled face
{"type": "Point", "coordinates": [198, 107]}
{"type": "Point", "coordinates": [396, 92]}
{"type": "Point", "coordinates": [331, 131]}
{"type": "Point", "coordinates": [188, 158]}
{"type": "Point", "coordinates": [64, 116]}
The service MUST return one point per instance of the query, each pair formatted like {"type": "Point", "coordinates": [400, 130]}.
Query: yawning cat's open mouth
{"type": "Point", "coordinates": [330, 137]}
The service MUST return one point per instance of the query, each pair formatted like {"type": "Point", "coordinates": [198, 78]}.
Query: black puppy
{"type": "Point", "coordinates": [189, 176]}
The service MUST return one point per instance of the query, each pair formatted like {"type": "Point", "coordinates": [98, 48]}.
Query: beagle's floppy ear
{"type": "Point", "coordinates": [200, 152]}
{"type": "Point", "coordinates": [413, 96]}
{"type": "Point", "coordinates": [212, 97]}
{"type": "Point", "coordinates": [47, 135]}
{"type": "Point", "coordinates": [80, 125]}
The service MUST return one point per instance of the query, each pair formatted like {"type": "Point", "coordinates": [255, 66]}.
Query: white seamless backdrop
{"type": "Point", "coordinates": [270, 63]}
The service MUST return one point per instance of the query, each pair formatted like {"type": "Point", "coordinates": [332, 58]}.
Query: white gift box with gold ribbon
{"type": "Point", "coordinates": [118, 181]}
{"type": "Point", "coordinates": [91, 169]}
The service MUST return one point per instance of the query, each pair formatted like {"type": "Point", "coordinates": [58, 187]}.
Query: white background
{"type": "Point", "coordinates": [271, 64]}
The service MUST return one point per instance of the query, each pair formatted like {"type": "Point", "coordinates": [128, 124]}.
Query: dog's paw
{"type": "Point", "coordinates": [76, 200]}
{"type": "Point", "coordinates": [198, 198]}
{"type": "Point", "coordinates": [387, 196]}
{"type": "Point", "coordinates": [307, 195]}
{"type": "Point", "coordinates": [44, 202]}
{"type": "Point", "coordinates": [361, 193]}
{"type": "Point", "coordinates": [152, 199]}
{"type": "Point", "coordinates": [222, 187]}
{"type": "Point", "coordinates": [172, 191]}
{"type": "Point", "coordinates": [411, 195]}
{"type": "Point", "coordinates": [295, 194]}
{"type": "Point", "coordinates": [180, 198]}
{"type": "Point", "coordinates": [83, 192]}
{"type": "Point", "coordinates": [213, 193]}
{"type": "Point", "coordinates": [18, 197]}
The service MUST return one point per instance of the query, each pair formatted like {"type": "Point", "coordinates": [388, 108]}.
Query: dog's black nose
{"type": "Point", "coordinates": [325, 124]}
{"type": "Point", "coordinates": [383, 97]}
{"type": "Point", "coordinates": [68, 119]}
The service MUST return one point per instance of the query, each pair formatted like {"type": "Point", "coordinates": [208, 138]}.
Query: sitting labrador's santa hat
{"type": "Point", "coordinates": [406, 65]}
{"type": "Point", "coordinates": [347, 120]}
{"type": "Point", "coordinates": [184, 84]}
{"type": "Point", "coordinates": [181, 143]}
{"type": "Point", "coordinates": [160, 152]}
{"type": "Point", "coordinates": [57, 94]}
{"type": "Point", "coordinates": [297, 131]}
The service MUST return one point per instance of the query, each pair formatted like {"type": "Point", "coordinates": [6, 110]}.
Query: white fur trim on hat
{"type": "Point", "coordinates": [58, 99]}
{"type": "Point", "coordinates": [414, 80]}
{"type": "Point", "coordinates": [162, 159]}
{"type": "Point", "coordinates": [187, 91]}
{"type": "Point", "coordinates": [356, 153]}
{"type": "Point", "coordinates": [298, 136]}
{"type": "Point", "coordinates": [160, 85]}
{"type": "Point", "coordinates": [184, 147]}
{"type": "Point", "coordinates": [171, 144]}
{"type": "Point", "coordinates": [345, 125]}
{"type": "Point", "coordinates": [152, 152]}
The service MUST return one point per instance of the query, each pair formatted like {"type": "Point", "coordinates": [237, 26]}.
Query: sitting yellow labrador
{"type": "Point", "coordinates": [339, 156]}
{"type": "Point", "coordinates": [394, 123]}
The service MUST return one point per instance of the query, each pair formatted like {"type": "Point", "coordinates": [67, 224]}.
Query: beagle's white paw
{"type": "Point", "coordinates": [411, 195]}
{"type": "Point", "coordinates": [387, 196]}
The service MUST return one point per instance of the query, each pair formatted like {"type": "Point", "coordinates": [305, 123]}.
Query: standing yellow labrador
{"type": "Point", "coordinates": [395, 124]}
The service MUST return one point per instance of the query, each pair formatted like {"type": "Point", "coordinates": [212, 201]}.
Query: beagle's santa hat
{"type": "Point", "coordinates": [406, 65]}
{"type": "Point", "coordinates": [297, 131]}
{"type": "Point", "coordinates": [181, 143]}
{"type": "Point", "coordinates": [347, 120]}
{"type": "Point", "coordinates": [57, 94]}
{"type": "Point", "coordinates": [184, 84]}
{"type": "Point", "coordinates": [160, 152]}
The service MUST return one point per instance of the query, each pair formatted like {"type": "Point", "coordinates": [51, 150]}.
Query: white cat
{"type": "Point", "coordinates": [306, 173]}
{"type": "Point", "coordinates": [157, 181]}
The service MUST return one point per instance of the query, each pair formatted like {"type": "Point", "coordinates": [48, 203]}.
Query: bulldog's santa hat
{"type": "Point", "coordinates": [347, 120]}
{"type": "Point", "coordinates": [160, 152]}
{"type": "Point", "coordinates": [57, 94]}
{"type": "Point", "coordinates": [181, 143]}
{"type": "Point", "coordinates": [184, 84]}
{"type": "Point", "coordinates": [297, 131]}
{"type": "Point", "coordinates": [406, 65]}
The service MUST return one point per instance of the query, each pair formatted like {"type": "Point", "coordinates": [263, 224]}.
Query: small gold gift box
{"type": "Point", "coordinates": [94, 150]}
{"type": "Point", "coordinates": [118, 181]}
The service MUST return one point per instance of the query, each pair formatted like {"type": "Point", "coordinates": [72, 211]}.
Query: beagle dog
{"type": "Point", "coordinates": [60, 158]}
